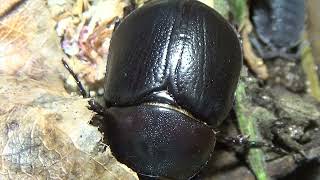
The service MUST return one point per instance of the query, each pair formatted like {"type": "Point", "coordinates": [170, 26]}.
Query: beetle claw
{"type": "Point", "coordinates": [96, 107]}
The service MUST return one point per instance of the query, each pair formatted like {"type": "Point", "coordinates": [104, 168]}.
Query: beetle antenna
{"type": "Point", "coordinates": [80, 86]}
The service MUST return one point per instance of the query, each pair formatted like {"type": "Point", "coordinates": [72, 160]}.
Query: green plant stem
{"type": "Point", "coordinates": [308, 65]}
{"type": "Point", "coordinates": [247, 125]}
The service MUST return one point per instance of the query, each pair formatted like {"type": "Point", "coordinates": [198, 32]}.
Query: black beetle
{"type": "Point", "coordinates": [172, 71]}
{"type": "Point", "coordinates": [173, 67]}
{"type": "Point", "coordinates": [279, 25]}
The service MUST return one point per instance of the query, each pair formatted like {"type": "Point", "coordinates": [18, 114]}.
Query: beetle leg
{"type": "Point", "coordinates": [128, 9]}
{"type": "Point", "coordinates": [96, 107]}
{"type": "Point", "coordinates": [272, 52]}
{"type": "Point", "coordinates": [93, 105]}
{"type": "Point", "coordinates": [244, 142]}
{"type": "Point", "coordinates": [263, 52]}
{"type": "Point", "coordinates": [116, 22]}
{"type": "Point", "coordinates": [80, 86]}
{"type": "Point", "coordinates": [280, 53]}
{"type": "Point", "coordinates": [257, 45]}
{"type": "Point", "coordinates": [290, 56]}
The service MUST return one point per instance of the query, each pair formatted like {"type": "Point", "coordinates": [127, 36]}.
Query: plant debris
{"type": "Point", "coordinates": [85, 37]}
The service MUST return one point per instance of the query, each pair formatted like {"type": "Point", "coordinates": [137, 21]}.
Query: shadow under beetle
{"type": "Point", "coordinates": [173, 67]}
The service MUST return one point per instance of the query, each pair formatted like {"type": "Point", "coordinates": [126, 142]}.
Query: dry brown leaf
{"type": "Point", "coordinates": [29, 45]}
{"type": "Point", "coordinates": [86, 37]}
{"type": "Point", "coordinates": [44, 133]}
